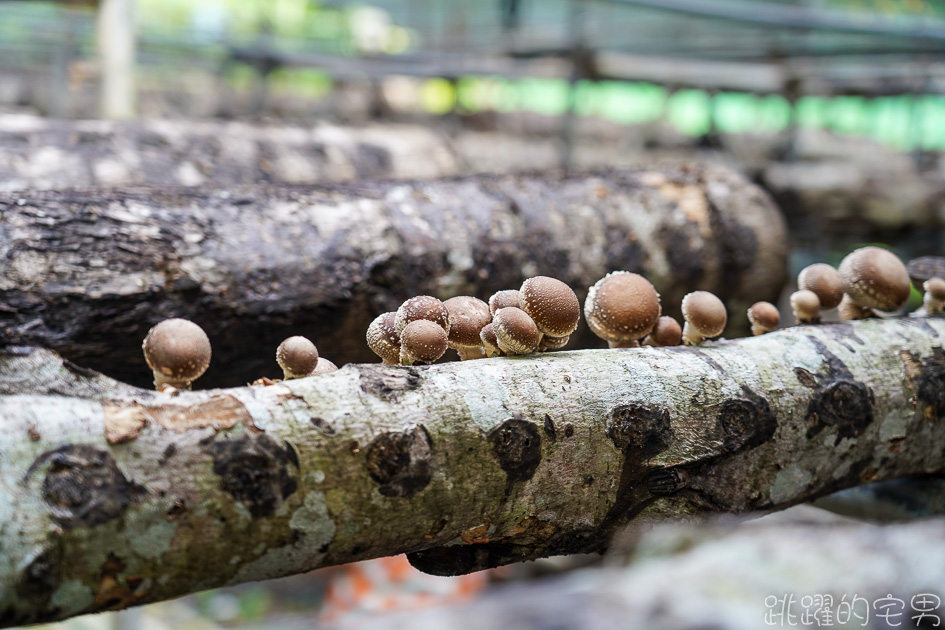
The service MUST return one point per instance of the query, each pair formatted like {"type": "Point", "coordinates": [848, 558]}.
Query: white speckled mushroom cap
{"type": "Point", "coordinates": [875, 277]}
{"type": "Point", "coordinates": [297, 356]}
{"type": "Point", "coordinates": [622, 306]}
{"type": "Point", "coordinates": [504, 299]}
{"type": "Point", "coordinates": [823, 280]}
{"type": "Point", "coordinates": [705, 312]}
{"type": "Point", "coordinates": [421, 307]}
{"type": "Point", "coordinates": [552, 305]}
{"type": "Point", "coordinates": [468, 315]}
{"type": "Point", "coordinates": [178, 349]}
{"type": "Point", "coordinates": [382, 338]}
{"type": "Point", "coordinates": [422, 340]}
{"type": "Point", "coordinates": [515, 331]}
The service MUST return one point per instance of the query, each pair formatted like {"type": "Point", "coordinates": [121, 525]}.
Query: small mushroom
{"type": "Point", "coordinates": [667, 333]}
{"type": "Point", "coordinates": [622, 308]}
{"type": "Point", "coordinates": [552, 343]}
{"type": "Point", "coordinates": [705, 317]}
{"type": "Point", "coordinates": [823, 280]}
{"type": "Point", "coordinates": [467, 315]}
{"type": "Point", "coordinates": [806, 306]}
{"type": "Point", "coordinates": [421, 307]}
{"type": "Point", "coordinates": [849, 309]}
{"type": "Point", "coordinates": [177, 351]}
{"type": "Point", "coordinates": [383, 340]}
{"type": "Point", "coordinates": [551, 304]}
{"type": "Point", "coordinates": [503, 299]}
{"type": "Point", "coordinates": [934, 298]}
{"type": "Point", "coordinates": [874, 277]}
{"type": "Point", "coordinates": [324, 367]}
{"type": "Point", "coordinates": [515, 331]}
{"type": "Point", "coordinates": [297, 356]}
{"type": "Point", "coordinates": [422, 341]}
{"type": "Point", "coordinates": [764, 317]}
{"type": "Point", "coordinates": [489, 341]}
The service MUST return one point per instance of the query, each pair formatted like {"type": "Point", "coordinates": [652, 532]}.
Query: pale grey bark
{"type": "Point", "coordinates": [112, 496]}
{"type": "Point", "coordinates": [41, 153]}
{"type": "Point", "coordinates": [80, 270]}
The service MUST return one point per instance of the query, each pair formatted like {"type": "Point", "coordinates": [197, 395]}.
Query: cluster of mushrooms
{"type": "Point", "coordinates": [178, 352]}
{"type": "Point", "coordinates": [623, 308]}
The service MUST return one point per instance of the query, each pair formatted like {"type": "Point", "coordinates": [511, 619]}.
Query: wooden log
{"type": "Point", "coordinates": [87, 272]}
{"type": "Point", "coordinates": [43, 153]}
{"type": "Point", "coordinates": [112, 496]}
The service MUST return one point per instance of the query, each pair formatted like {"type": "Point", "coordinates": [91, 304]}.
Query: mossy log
{"type": "Point", "coordinates": [112, 496]}
{"type": "Point", "coordinates": [87, 272]}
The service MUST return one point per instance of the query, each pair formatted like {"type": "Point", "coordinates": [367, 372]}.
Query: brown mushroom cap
{"type": "Point", "coordinates": [705, 313]}
{"type": "Point", "coordinates": [823, 280]}
{"type": "Point", "coordinates": [667, 332]}
{"type": "Point", "coordinates": [515, 331]}
{"type": "Point", "coordinates": [324, 367]}
{"type": "Point", "coordinates": [297, 356]}
{"type": "Point", "coordinates": [552, 343]}
{"type": "Point", "coordinates": [806, 305]}
{"type": "Point", "coordinates": [178, 350]}
{"type": "Point", "coordinates": [421, 307]}
{"type": "Point", "coordinates": [467, 316]}
{"type": "Point", "coordinates": [766, 315]}
{"type": "Point", "coordinates": [875, 277]}
{"type": "Point", "coordinates": [935, 287]}
{"type": "Point", "coordinates": [622, 306]}
{"type": "Point", "coordinates": [552, 305]}
{"type": "Point", "coordinates": [504, 299]}
{"type": "Point", "coordinates": [489, 340]}
{"type": "Point", "coordinates": [382, 338]}
{"type": "Point", "coordinates": [422, 340]}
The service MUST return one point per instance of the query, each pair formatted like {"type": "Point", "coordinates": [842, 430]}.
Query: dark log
{"type": "Point", "coordinates": [86, 272]}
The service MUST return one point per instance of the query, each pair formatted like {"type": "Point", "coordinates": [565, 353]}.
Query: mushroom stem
{"type": "Point", "coordinates": [934, 297]}
{"type": "Point", "coordinates": [691, 336]}
{"type": "Point", "coordinates": [630, 343]}
{"type": "Point", "coordinates": [162, 382]}
{"type": "Point", "coordinates": [849, 309]}
{"type": "Point", "coordinates": [470, 353]}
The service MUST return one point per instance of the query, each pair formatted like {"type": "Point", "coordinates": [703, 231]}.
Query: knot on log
{"type": "Point", "coordinates": [400, 461]}
{"type": "Point", "coordinates": [517, 445]}
{"type": "Point", "coordinates": [83, 485]}
{"type": "Point", "coordinates": [255, 472]}
{"type": "Point", "coordinates": [639, 429]}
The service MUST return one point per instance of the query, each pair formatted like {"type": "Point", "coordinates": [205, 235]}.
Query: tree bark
{"type": "Point", "coordinates": [48, 154]}
{"type": "Point", "coordinates": [82, 269]}
{"type": "Point", "coordinates": [113, 496]}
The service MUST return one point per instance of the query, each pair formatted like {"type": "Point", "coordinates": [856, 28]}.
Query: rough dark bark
{"type": "Point", "coordinates": [87, 272]}
{"type": "Point", "coordinates": [111, 495]}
